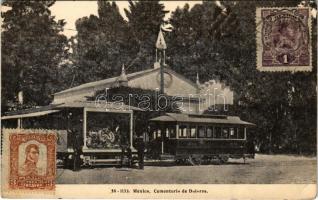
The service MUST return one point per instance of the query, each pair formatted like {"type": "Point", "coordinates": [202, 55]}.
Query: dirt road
{"type": "Point", "coordinates": [264, 169]}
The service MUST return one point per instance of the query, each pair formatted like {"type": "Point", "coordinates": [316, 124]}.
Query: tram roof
{"type": "Point", "coordinates": [203, 119]}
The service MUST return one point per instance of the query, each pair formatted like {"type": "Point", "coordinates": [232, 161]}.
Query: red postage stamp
{"type": "Point", "coordinates": [283, 39]}
{"type": "Point", "coordinates": [31, 163]}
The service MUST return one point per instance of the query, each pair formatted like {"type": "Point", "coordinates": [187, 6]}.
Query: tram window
{"type": "Point", "coordinates": [225, 132]}
{"type": "Point", "coordinates": [172, 133]}
{"type": "Point", "coordinates": [154, 134]}
{"type": "Point", "coordinates": [159, 133]}
{"type": "Point", "coordinates": [217, 132]}
{"type": "Point", "coordinates": [233, 133]}
{"type": "Point", "coordinates": [193, 131]}
{"type": "Point", "coordinates": [167, 132]}
{"type": "Point", "coordinates": [209, 131]}
{"type": "Point", "coordinates": [201, 131]}
{"type": "Point", "coordinates": [183, 131]}
{"type": "Point", "coordinates": [240, 133]}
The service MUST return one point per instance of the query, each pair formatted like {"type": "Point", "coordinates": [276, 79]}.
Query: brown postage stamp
{"type": "Point", "coordinates": [31, 162]}
{"type": "Point", "coordinates": [283, 39]}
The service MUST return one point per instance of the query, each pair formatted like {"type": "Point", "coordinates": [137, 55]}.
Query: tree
{"type": "Point", "coordinates": [103, 44]}
{"type": "Point", "coordinates": [274, 101]}
{"type": "Point", "coordinates": [144, 20]}
{"type": "Point", "coordinates": [222, 45]}
{"type": "Point", "coordinates": [107, 41]}
{"type": "Point", "coordinates": [32, 48]}
{"type": "Point", "coordinates": [198, 40]}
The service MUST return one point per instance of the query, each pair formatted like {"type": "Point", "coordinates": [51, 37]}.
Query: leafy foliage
{"type": "Point", "coordinates": [102, 44]}
{"type": "Point", "coordinates": [32, 48]}
{"type": "Point", "coordinates": [220, 45]}
{"type": "Point", "coordinates": [144, 20]}
{"type": "Point", "coordinates": [207, 39]}
{"type": "Point", "coordinates": [107, 41]}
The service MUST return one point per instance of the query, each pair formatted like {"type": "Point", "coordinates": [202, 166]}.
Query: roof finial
{"type": "Point", "coordinates": [198, 81]}
{"type": "Point", "coordinates": [161, 43]}
{"type": "Point", "coordinates": [123, 81]}
{"type": "Point", "coordinates": [123, 71]}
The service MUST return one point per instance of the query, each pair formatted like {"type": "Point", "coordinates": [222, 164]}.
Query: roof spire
{"type": "Point", "coordinates": [198, 80]}
{"type": "Point", "coordinates": [161, 46]}
{"type": "Point", "coordinates": [161, 43]}
{"type": "Point", "coordinates": [123, 71]}
{"type": "Point", "coordinates": [123, 81]}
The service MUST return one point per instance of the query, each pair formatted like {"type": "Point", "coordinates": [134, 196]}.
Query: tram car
{"type": "Point", "coordinates": [88, 134]}
{"type": "Point", "coordinates": [199, 138]}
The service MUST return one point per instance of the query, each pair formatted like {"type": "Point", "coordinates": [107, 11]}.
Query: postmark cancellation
{"type": "Point", "coordinates": [283, 39]}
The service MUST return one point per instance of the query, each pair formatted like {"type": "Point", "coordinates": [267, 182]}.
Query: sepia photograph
{"type": "Point", "coordinates": [158, 92]}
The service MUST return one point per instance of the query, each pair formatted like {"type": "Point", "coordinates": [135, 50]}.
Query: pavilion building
{"type": "Point", "coordinates": [194, 98]}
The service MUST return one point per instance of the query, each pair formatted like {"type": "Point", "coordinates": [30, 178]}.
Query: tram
{"type": "Point", "coordinates": [199, 138]}
{"type": "Point", "coordinates": [96, 134]}
{"type": "Point", "coordinates": [88, 134]}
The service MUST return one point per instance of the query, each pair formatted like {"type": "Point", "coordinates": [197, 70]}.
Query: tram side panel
{"type": "Point", "coordinates": [232, 148]}
{"type": "Point", "coordinates": [230, 141]}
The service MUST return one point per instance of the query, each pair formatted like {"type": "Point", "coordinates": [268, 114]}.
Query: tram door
{"type": "Point", "coordinates": [161, 138]}
{"type": "Point", "coordinates": [170, 134]}
{"type": "Point", "coordinates": [165, 140]}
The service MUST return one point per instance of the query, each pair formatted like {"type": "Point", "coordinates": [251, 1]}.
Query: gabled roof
{"type": "Point", "coordinates": [106, 81]}
{"type": "Point", "coordinates": [181, 77]}
{"type": "Point", "coordinates": [204, 119]}
{"type": "Point", "coordinates": [129, 77]}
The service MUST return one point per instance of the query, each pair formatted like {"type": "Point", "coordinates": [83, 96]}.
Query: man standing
{"type": "Point", "coordinates": [77, 147]}
{"type": "Point", "coordinates": [141, 151]}
{"type": "Point", "coordinates": [126, 154]}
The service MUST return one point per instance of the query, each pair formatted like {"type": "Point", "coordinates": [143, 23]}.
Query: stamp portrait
{"type": "Point", "coordinates": [283, 39]}
{"type": "Point", "coordinates": [32, 161]}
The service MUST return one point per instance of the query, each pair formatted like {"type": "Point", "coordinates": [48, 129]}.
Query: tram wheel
{"type": "Point", "coordinates": [180, 161]}
{"type": "Point", "coordinates": [223, 159]}
{"type": "Point", "coordinates": [195, 161]}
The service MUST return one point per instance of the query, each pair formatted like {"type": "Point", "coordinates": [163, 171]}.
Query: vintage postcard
{"type": "Point", "coordinates": [159, 99]}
